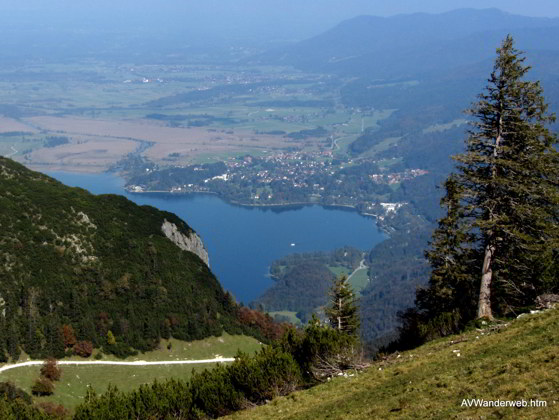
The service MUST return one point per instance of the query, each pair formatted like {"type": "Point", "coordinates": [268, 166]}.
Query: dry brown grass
{"type": "Point", "coordinates": [99, 143]}
{"type": "Point", "coordinates": [82, 154]}
{"type": "Point", "coordinates": [8, 125]}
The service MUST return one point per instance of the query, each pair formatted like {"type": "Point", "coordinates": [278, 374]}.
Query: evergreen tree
{"type": "Point", "coordinates": [3, 337]}
{"type": "Point", "coordinates": [12, 343]}
{"type": "Point", "coordinates": [54, 346]}
{"type": "Point", "coordinates": [502, 212]}
{"type": "Point", "coordinates": [507, 182]}
{"type": "Point", "coordinates": [451, 254]}
{"type": "Point", "coordinates": [342, 311]}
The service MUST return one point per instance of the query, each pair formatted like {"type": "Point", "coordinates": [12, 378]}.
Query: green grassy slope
{"type": "Point", "coordinates": [71, 389]}
{"type": "Point", "coordinates": [516, 362]}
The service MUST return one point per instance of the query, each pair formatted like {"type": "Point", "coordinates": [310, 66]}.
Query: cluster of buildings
{"type": "Point", "coordinates": [397, 177]}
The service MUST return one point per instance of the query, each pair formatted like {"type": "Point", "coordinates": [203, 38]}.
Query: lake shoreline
{"type": "Point", "coordinates": [244, 240]}
{"type": "Point", "coordinates": [120, 175]}
{"type": "Point", "coordinates": [264, 206]}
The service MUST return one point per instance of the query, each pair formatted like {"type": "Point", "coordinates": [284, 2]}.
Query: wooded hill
{"type": "Point", "coordinates": [78, 268]}
{"type": "Point", "coordinates": [302, 281]}
{"type": "Point", "coordinates": [417, 45]}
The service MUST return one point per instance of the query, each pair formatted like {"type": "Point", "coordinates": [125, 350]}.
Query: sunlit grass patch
{"type": "Point", "coordinates": [359, 280]}
{"type": "Point", "coordinates": [517, 362]}
{"type": "Point", "coordinates": [75, 380]}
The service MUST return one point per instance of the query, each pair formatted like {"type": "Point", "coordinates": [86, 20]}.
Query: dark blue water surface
{"type": "Point", "coordinates": [244, 241]}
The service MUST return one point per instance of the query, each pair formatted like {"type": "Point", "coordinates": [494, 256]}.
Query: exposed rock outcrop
{"type": "Point", "coordinates": [547, 301]}
{"type": "Point", "coordinates": [191, 242]}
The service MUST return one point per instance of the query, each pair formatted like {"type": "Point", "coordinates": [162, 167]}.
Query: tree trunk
{"type": "Point", "coordinates": [484, 303]}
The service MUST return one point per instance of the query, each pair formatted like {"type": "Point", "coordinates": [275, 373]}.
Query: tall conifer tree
{"type": "Point", "coordinates": [508, 178]}
{"type": "Point", "coordinates": [451, 254]}
{"type": "Point", "coordinates": [342, 311]}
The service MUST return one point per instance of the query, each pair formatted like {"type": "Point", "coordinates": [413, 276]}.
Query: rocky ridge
{"type": "Point", "coordinates": [192, 243]}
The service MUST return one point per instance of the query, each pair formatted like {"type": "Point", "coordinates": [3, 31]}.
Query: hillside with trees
{"type": "Point", "coordinates": [298, 359]}
{"type": "Point", "coordinates": [396, 47]}
{"type": "Point", "coordinates": [448, 378]}
{"type": "Point", "coordinates": [81, 271]}
{"type": "Point", "coordinates": [302, 280]}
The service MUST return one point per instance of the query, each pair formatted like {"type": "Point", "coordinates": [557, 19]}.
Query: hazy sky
{"type": "Point", "coordinates": [344, 8]}
{"type": "Point", "coordinates": [285, 19]}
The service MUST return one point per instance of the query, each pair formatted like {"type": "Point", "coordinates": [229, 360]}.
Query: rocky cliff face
{"type": "Point", "coordinates": [191, 242]}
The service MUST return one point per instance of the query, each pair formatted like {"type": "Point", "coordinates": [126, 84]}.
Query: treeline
{"type": "Point", "coordinates": [53, 141]}
{"type": "Point", "coordinates": [295, 361]}
{"type": "Point", "coordinates": [192, 120]}
{"type": "Point", "coordinates": [296, 103]}
{"type": "Point", "coordinates": [219, 93]}
{"type": "Point", "coordinates": [305, 134]}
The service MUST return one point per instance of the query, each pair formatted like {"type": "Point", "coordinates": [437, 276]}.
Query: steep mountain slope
{"type": "Point", "coordinates": [504, 363]}
{"type": "Point", "coordinates": [97, 264]}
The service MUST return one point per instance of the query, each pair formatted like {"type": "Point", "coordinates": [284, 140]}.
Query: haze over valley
{"type": "Point", "coordinates": [300, 143]}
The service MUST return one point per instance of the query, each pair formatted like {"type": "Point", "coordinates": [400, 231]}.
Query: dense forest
{"type": "Point", "coordinates": [78, 268]}
{"type": "Point", "coordinates": [302, 281]}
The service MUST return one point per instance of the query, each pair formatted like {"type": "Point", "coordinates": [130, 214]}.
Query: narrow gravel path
{"type": "Point", "coordinates": [107, 362]}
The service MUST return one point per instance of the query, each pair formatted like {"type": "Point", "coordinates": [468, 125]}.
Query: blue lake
{"type": "Point", "coordinates": [244, 241]}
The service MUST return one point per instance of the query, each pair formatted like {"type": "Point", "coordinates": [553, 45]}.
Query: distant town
{"type": "Point", "coordinates": [282, 179]}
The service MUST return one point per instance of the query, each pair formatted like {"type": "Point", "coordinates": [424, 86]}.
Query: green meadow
{"type": "Point", "coordinates": [75, 380]}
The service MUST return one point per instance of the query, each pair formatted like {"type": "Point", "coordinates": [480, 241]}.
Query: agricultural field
{"type": "Point", "coordinates": [358, 279]}
{"type": "Point", "coordinates": [170, 114]}
{"type": "Point", "coordinates": [13, 127]}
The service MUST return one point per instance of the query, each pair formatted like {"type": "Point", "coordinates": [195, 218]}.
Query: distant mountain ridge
{"type": "Point", "coordinates": [427, 67]}
{"type": "Point", "coordinates": [407, 45]}
{"type": "Point", "coordinates": [72, 261]}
